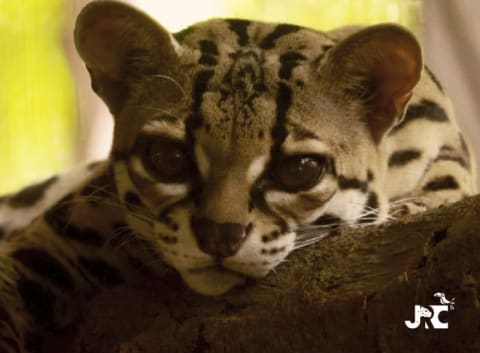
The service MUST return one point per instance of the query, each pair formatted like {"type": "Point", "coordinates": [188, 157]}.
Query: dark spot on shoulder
{"type": "Point", "coordinates": [403, 157]}
{"type": "Point", "coordinates": [39, 301]}
{"type": "Point", "coordinates": [102, 271]}
{"type": "Point", "coordinates": [425, 109]}
{"type": "Point", "coordinates": [446, 182]}
{"type": "Point", "coordinates": [31, 194]}
{"type": "Point", "coordinates": [44, 265]}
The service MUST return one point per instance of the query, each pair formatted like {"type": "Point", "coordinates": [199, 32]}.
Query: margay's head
{"type": "Point", "coordinates": [231, 134]}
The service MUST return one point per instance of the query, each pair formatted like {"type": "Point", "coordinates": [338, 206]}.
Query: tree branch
{"type": "Point", "coordinates": [347, 293]}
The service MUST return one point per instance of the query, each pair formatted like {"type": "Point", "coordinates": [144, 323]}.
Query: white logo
{"type": "Point", "coordinates": [430, 315]}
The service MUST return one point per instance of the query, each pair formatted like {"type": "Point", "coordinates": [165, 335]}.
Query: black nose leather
{"type": "Point", "coordinates": [218, 239]}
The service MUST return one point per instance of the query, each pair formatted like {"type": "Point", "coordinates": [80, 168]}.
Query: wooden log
{"type": "Point", "coordinates": [347, 293]}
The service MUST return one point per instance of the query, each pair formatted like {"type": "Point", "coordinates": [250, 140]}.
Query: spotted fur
{"type": "Point", "coordinates": [235, 143]}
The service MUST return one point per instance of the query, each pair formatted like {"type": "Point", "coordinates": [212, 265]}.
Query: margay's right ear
{"type": "Point", "coordinates": [378, 67]}
{"type": "Point", "coordinates": [120, 45]}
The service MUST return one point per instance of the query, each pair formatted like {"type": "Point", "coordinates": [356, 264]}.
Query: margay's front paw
{"type": "Point", "coordinates": [407, 208]}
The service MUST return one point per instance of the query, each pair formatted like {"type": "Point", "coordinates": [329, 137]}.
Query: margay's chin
{"type": "Point", "coordinates": [212, 281]}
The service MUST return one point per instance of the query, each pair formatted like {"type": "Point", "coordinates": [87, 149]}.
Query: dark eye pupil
{"type": "Point", "coordinates": [168, 160]}
{"type": "Point", "coordinates": [299, 172]}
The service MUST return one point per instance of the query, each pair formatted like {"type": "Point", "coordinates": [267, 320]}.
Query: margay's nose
{"type": "Point", "coordinates": [218, 239]}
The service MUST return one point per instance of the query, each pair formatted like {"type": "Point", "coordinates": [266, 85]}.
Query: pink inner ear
{"type": "Point", "coordinates": [396, 74]}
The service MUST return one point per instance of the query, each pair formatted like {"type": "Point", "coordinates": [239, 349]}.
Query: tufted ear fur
{"type": "Point", "coordinates": [379, 66]}
{"type": "Point", "coordinates": [119, 45]}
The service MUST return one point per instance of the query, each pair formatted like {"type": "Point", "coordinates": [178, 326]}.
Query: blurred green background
{"type": "Point", "coordinates": [38, 107]}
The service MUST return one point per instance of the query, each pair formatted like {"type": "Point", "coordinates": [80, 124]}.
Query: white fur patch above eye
{"type": "Point", "coordinates": [163, 127]}
{"type": "Point", "coordinates": [292, 146]}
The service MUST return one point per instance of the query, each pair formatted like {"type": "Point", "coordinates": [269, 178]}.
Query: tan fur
{"type": "Point", "coordinates": [236, 142]}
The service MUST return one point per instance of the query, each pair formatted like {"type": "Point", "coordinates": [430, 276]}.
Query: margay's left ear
{"type": "Point", "coordinates": [120, 45]}
{"type": "Point", "coordinates": [380, 66]}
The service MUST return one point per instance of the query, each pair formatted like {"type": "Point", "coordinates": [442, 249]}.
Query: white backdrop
{"type": "Point", "coordinates": [452, 50]}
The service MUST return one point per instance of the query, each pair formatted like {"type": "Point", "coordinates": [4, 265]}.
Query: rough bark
{"type": "Point", "coordinates": [347, 293]}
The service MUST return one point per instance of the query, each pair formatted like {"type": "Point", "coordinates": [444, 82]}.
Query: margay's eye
{"type": "Point", "coordinates": [299, 172]}
{"type": "Point", "coordinates": [167, 159]}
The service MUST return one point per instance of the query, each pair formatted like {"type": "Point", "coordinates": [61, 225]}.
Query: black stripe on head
{"type": "Point", "coordinates": [446, 182]}
{"type": "Point", "coordinates": [403, 157]}
{"type": "Point", "coordinates": [239, 27]}
{"type": "Point", "coordinates": [209, 53]}
{"type": "Point", "coordinates": [426, 109]}
{"type": "Point", "coordinates": [31, 194]}
{"type": "Point", "coordinates": [200, 86]}
{"type": "Point", "coordinates": [279, 31]}
{"type": "Point", "coordinates": [284, 101]}
{"type": "Point", "coordinates": [44, 265]}
{"type": "Point", "coordinates": [102, 271]}
{"type": "Point", "coordinates": [39, 301]}
{"type": "Point", "coordinates": [345, 183]}
{"type": "Point", "coordinates": [289, 61]}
